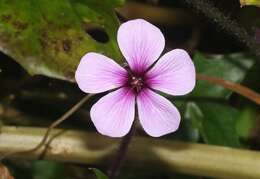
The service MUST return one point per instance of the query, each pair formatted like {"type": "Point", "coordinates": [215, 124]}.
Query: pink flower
{"type": "Point", "coordinates": [141, 43]}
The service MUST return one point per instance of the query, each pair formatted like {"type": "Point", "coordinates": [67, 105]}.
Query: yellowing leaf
{"type": "Point", "coordinates": [250, 2]}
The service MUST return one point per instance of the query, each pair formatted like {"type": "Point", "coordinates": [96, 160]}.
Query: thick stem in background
{"type": "Point", "coordinates": [114, 170]}
{"type": "Point", "coordinates": [161, 15]}
{"type": "Point", "coordinates": [52, 126]}
{"type": "Point", "coordinates": [153, 153]}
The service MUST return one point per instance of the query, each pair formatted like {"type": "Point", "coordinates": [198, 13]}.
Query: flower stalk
{"type": "Point", "coordinates": [113, 172]}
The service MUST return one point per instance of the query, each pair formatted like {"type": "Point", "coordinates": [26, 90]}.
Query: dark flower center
{"type": "Point", "coordinates": [136, 83]}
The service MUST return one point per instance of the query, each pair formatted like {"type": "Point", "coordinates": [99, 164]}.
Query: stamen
{"type": "Point", "coordinates": [136, 83]}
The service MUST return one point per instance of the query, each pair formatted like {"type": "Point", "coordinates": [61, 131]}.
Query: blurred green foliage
{"type": "Point", "coordinates": [37, 169]}
{"type": "Point", "coordinates": [208, 110]}
{"type": "Point", "coordinates": [49, 37]}
{"type": "Point", "coordinates": [48, 170]}
{"type": "Point", "coordinates": [216, 123]}
{"type": "Point", "coordinates": [232, 67]}
{"type": "Point", "coordinates": [99, 174]}
{"type": "Point", "coordinates": [245, 123]}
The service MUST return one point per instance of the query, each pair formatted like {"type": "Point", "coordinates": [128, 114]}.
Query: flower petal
{"type": "Point", "coordinates": [174, 73]}
{"type": "Point", "coordinates": [97, 73]}
{"type": "Point", "coordinates": [141, 43]}
{"type": "Point", "coordinates": [157, 115]}
{"type": "Point", "coordinates": [113, 114]}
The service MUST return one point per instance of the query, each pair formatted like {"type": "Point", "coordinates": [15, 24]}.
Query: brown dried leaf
{"type": "Point", "coordinates": [4, 172]}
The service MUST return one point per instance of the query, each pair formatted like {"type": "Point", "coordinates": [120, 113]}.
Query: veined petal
{"type": "Point", "coordinates": [174, 73]}
{"type": "Point", "coordinates": [113, 114]}
{"type": "Point", "coordinates": [157, 115]}
{"type": "Point", "coordinates": [141, 43]}
{"type": "Point", "coordinates": [97, 73]}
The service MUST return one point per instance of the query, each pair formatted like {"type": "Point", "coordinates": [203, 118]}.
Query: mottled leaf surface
{"type": "Point", "coordinates": [49, 37]}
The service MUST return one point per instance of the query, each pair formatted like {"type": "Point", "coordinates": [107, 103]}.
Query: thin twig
{"type": "Point", "coordinates": [52, 126]}
{"type": "Point", "coordinates": [113, 172]}
{"type": "Point", "coordinates": [240, 89]}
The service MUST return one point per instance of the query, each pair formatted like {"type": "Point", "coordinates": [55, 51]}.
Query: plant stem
{"type": "Point", "coordinates": [52, 126]}
{"type": "Point", "coordinates": [208, 9]}
{"type": "Point", "coordinates": [161, 15]}
{"type": "Point", "coordinates": [113, 172]}
{"type": "Point", "coordinates": [240, 89]}
{"type": "Point", "coordinates": [156, 154]}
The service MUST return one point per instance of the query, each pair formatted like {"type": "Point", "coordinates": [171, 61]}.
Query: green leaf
{"type": "Point", "coordinates": [216, 123]}
{"type": "Point", "coordinates": [231, 67]}
{"type": "Point", "coordinates": [245, 123]}
{"type": "Point", "coordinates": [195, 115]}
{"type": "Point", "coordinates": [99, 174]}
{"type": "Point", "coordinates": [186, 131]}
{"type": "Point", "coordinates": [47, 170]}
{"type": "Point", "coordinates": [49, 37]}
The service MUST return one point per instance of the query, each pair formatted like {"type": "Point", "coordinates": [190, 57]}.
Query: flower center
{"type": "Point", "coordinates": [136, 83]}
